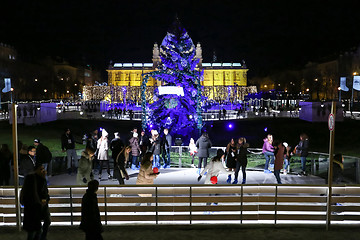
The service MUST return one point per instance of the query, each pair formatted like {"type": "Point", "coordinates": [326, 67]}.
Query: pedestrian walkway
{"type": "Point", "coordinates": [189, 176]}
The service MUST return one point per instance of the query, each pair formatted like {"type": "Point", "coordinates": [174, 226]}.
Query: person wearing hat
{"type": "Point", "coordinates": [155, 148]}
{"type": "Point", "coordinates": [135, 151]}
{"type": "Point", "coordinates": [68, 146]}
{"type": "Point", "coordinates": [103, 147]}
{"type": "Point", "coordinates": [116, 145]}
{"type": "Point", "coordinates": [43, 154]}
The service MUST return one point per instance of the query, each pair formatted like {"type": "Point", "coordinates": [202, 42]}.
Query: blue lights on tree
{"type": "Point", "coordinates": [180, 114]}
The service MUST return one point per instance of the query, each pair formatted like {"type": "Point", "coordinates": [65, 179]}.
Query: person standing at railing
{"type": "Point", "coordinates": [192, 150]}
{"type": "Point", "coordinates": [230, 158]}
{"type": "Point", "coordinates": [241, 159]}
{"type": "Point", "coordinates": [43, 155]}
{"type": "Point", "coordinates": [287, 157]}
{"type": "Point", "coordinates": [90, 213]}
{"type": "Point", "coordinates": [302, 149]}
{"type": "Point", "coordinates": [203, 144]}
{"type": "Point", "coordinates": [268, 151]}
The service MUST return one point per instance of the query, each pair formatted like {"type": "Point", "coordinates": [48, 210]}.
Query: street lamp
{"type": "Point", "coordinates": [339, 88]}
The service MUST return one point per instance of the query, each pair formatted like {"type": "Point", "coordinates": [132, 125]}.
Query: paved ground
{"type": "Point", "coordinates": [203, 232]}
{"type": "Point", "coordinates": [189, 176]}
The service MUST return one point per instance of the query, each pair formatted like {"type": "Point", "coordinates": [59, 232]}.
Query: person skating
{"type": "Point", "coordinates": [116, 146]}
{"type": "Point", "coordinates": [268, 151]}
{"type": "Point", "coordinates": [302, 149]}
{"type": "Point", "coordinates": [135, 151]}
{"type": "Point", "coordinates": [241, 159]}
{"type": "Point", "coordinates": [279, 160]}
{"type": "Point", "coordinates": [85, 166]}
{"type": "Point", "coordinates": [103, 158]}
{"type": "Point", "coordinates": [192, 151]}
{"type": "Point", "coordinates": [230, 158]}
{"type": "Point", "coordinates": [166, 146]}
{"type": "Point", "coordinates": [203, 144]}
{"type": "Point", "coordinates": [120, 172]}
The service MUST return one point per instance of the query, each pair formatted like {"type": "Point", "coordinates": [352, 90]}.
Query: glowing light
{"type": "Point", "coordinates": [67, 91]}
{"type": "Point", "coordinates": [45, 90]}
{"type": "Point", "coordinates": [307, 89]}
{"type": "Point", "coordinates": [36, 80]}
{"type": "Point", "coordinates": [59, 111]}
{"type": "Point", "coordinates": [265, 129]}
{"type": "Point", "coordinates": [339, 88]}
{"type": "Point", "coordinates": [81, 112]}
{"type": "Point", "coordinates": [230, 126]}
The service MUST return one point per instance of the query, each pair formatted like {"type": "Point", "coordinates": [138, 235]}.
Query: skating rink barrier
{"type": "Point", "coordinates": [200, 204]}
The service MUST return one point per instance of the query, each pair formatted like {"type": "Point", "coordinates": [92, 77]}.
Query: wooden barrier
{"type": "Point", "coordinates": [194, 204]}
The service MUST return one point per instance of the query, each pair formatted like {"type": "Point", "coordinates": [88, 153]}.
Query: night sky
{"type": "Point", "coordinates": [268, 35]}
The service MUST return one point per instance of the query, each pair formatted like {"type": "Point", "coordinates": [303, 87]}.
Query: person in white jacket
{"type": "Point", "coordinates": [214, 168]}
{"type": "Point", "coordinates": [103, 147]}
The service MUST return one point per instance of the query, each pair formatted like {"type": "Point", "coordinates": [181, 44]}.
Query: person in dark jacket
{"type": "Point", "coordinates": [120, 172]}
{"type": "Point", "coordinates": [155, 148]}
{"type": "Point", "coordinates": [203, 144]}
{"type": "Point", "coordinates": [5, 160]}
{"type": "Point", "coordinates": [27, 164]}
{"type": "Point", "coordinates": [43, 154]}
{"type": "Point", "coordinates": [116, 146]}
{"type": "Point", "coordinates": [279, 160]}
{"type": "Point", "coordinates": [302, 149]}
{"type": "Point", "coordinates": [231, 158]}
{"type": "Point", "coordinates": [90, 214]}
{"type": "Point", "coordinates": [338, 168]}
{"type": "Point", "coordinates": [35, 198]}
{"type": "Point", "coordinates": [166, 146]}
{"type": "Point", "coordinates": [241, 159]}
{"type": "Point", "coordinates": [68, 146]}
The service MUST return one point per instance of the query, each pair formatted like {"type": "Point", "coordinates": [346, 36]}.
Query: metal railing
{"type": "Point", "coordinates": [199, 204]}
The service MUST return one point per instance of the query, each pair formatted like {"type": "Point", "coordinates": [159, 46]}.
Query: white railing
{"type": "Point", "coordinates": [188, 204]}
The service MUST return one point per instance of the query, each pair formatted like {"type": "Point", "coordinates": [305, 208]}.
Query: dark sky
{"type": "Point", "coordinates": [268, 35]}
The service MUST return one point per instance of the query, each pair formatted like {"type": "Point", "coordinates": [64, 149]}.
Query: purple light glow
{"type": "Point", "coordinates": [265, 129]}
{"type": "Point", "coordinates": [230, 126]}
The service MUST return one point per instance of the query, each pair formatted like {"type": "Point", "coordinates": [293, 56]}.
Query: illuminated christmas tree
{"type": "Point", "coordinates": [180, 110]}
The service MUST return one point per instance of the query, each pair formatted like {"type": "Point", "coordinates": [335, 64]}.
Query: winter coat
{"type": "Point", "coordinates": [156, 148]}
{"type": "Point", "coordinates": [267, 147]}
{"type": "Point", "coordinates": [119, 167]}
{"type": "Point", "coordinates": [90, 214]}
{"type": "Point", "coordinates": [146, 174]}
{"type": "Point", "coordinates": [84, 169]}
{"type": "Point", "coordinates": [230, 156]}
{"type": "Point", "coordinates": [241, 154]}
{"type": "Point", "coordinates": [27, 164]}
{"type": "Point", "coordinates": [203, 144]}
{"type": "Point", "coordinates": [303, 148]}
{"type": "Point", "coordinates": [116, 146]}
{"type": "Point", "coordinates": [192, 148]}
{"type": "Point", "coordinates": [67, 142]}
{"type": "Point", "coordinates": [214, 168]}
{"type": "Point", "coordinates": [103, 148]}
{"type": "Point", "coordinates": [166, 141]}
{"type": "Point", "coordinates": [279, 157]}
{"type": "Point", "coordinates": [43, 154]}
{"type": "Point", "coordinates": [135, 148]}
{"type": "Point", "coordinates": [33, 191]}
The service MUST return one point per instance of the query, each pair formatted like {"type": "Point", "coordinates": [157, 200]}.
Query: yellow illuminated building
{"type": "Point", "coordinates": [221, 81]}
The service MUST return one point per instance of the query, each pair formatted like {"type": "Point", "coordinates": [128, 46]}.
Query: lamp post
{"type": "Point", "coordinates": [352, 92]}
{"type": "Point", "coordinates": [339, 88]}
